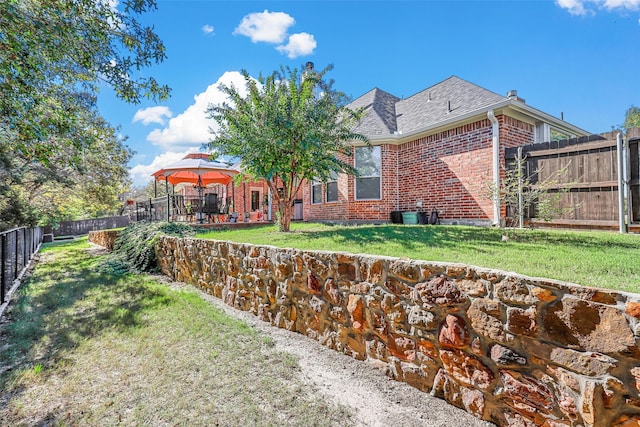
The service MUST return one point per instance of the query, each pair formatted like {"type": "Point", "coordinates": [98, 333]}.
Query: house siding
{"type": "Point", "coordinates": [242, 196]}
{"type": "Point", "coordinates": [450, 171]}
{"type": "Point", "coordinates": [447, 171]}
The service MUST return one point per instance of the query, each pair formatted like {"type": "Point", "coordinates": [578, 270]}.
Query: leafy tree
{"type": "Point", "coordinates": [631, 118]}
{"type": "Point", "coordinates": [55, 191]}
{"type": "Point", "coordinates": [152, 189]}
{"type": "Point", "coordinates": [54, 55]}
{"type": "Point", "coordinates": [290, 127]}
{"type": "Point", "coordinates": [525, 194]}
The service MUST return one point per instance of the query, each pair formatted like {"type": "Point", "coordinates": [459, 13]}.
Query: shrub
{"type": "Point", "coordinates": [134, 249]}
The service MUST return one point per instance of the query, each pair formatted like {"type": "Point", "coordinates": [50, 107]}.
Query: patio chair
{"type": "Point", "coordinates": [179, 209]}
{"type": "Point", "coordinates": [210, 208]}
{"type": "Point", "coordinates": [223, 211]}
{"type": "Point", "coordinates": [193, 207]}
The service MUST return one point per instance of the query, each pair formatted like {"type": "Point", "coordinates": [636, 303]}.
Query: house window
{"type": "Point", "coordinates": [332, 188]}
{"type": "Point", "coordinates": [543, 132]}
{"type": "Point", "coordinates": [558, 135]}
{"type": "Point", "coordinates": [368, 163]}
{"type": "Point", "coordinates": [316, 192]}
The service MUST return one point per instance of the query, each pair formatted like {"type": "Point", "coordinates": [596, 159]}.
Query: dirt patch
{"type": "Point", "coordinates": [376, 399]}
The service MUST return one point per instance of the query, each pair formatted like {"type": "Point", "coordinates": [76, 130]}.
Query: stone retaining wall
{"type": "Point", "coordinates": [510, 349]}
{"type": "Point", "coordinates": [105, 238]}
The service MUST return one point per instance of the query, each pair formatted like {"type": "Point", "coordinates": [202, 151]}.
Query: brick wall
{"type": "Point", "coordinates": [449, 171]}
{"type": "Point", "coordinates": [510, 349]}
{"type": "Point", "coordinates": [242, 196]}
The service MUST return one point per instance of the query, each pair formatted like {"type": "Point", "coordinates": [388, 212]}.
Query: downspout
{"type": "Point", "coordinates": [495, 140]}
{"type": "Point", "coordinates": [397, 178]}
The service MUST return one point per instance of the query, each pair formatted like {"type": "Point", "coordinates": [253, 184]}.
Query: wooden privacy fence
{"type": "Point", "coordinates": [17, 246]}
{"type": "Point", "coordinates": [584, 175]}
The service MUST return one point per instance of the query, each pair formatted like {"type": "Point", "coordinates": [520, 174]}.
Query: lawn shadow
{"type": "Point", "coordinates": [410, 237]}
{"type": "Point", "coordinates": [66, 302]}
{"type": "Point", "coordinates": [430, 236]}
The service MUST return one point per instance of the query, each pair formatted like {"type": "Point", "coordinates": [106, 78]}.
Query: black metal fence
{"type": "Point", "coordinates": [17, 246]}
{"type": "Point", "coordinates": [84, 226]}
{"type": "Point", "coordinates": [205, 209]}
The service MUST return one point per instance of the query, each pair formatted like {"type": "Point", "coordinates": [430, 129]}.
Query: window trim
{"type": "Point", "coordinates": [333, 180]}
{"type": "Point", "coordinates": [355, 182]}
{"type": "Point", "coordinates": [313, 185]}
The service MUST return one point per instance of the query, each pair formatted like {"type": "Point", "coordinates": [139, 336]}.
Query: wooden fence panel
{"type": "Point", "coordinates": [634, 149]}
{"type": "Point", "coordinates": [590, 173]}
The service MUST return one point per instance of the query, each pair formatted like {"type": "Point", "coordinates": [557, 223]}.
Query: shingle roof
{"type": "Point", "coordinates": [381, 117]}
{"type": "Point", "coordinates": [432, 104]}
{"type": "Point", "coordinates": [388, 113]}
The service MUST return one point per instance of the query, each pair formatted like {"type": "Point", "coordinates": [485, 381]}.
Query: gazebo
{"type": "Point", "coordinates": [196, 169]}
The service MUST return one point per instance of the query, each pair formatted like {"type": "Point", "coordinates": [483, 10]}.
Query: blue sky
{"type": "Point", "coordinates": [580, 58]}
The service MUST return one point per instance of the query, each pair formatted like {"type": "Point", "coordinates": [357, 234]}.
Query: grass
{"type": "Point", "coordinates": [82, 347]}
{"type": "Point", "coordinates": [599, 259]}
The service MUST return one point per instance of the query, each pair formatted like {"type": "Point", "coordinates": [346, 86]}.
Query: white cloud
{"type": "Point", "coordinates": [583, 7]}
{"type": "Point", "coordinates": [299, 44]}
{"type": "Point", "coordinates": [575, 7]}
{"type": "Point", "coordinates": [190, 129]}
{"type": "Point", "coordinates": [152, 115]}
{"type": "Point", "coordinates": [208, 29]}
{"type": "Point", "coordinates": [141, 174]}
{"type": "Point", "coordinates": [270, 27]}
{"type": "Point", "coordinates": [624, 4]}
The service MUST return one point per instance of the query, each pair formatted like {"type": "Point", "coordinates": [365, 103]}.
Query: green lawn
{"type": "Point", "coordinates": [81, 347]}
{"type": "Point", "coordinates": [600, 259]}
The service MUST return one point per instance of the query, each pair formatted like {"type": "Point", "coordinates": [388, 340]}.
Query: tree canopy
{"type": "Point", "coordinates": [290, 127]}
{"type": "Point", "coordinates": [631, 118]}
{"type": "Point", "coordinates": [54, 56]}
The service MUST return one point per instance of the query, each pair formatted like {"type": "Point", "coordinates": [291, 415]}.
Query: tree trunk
{"type": "Point", "coordinates": [285, 217]}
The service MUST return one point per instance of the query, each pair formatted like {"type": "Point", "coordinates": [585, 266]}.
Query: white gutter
{"type": "Point", "coordinates": [495, 142]}
{"type": "Point", "coordinates": [403, 137]}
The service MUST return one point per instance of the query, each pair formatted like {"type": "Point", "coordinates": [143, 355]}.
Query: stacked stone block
{"type": "Point", "coordinates": [509, 349]}
{"type": "Point", "coordinates": [104, 238]}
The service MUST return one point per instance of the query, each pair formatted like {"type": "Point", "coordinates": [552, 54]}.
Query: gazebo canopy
{"type": "Point", "coordinates": [196, 169]}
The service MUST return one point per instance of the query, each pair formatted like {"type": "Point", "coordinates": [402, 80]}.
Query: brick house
{"type": "Point", "coordinates": [438, 149]}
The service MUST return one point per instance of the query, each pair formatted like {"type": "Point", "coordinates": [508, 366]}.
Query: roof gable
{"type": "Point", "coordinates": [380, 113]}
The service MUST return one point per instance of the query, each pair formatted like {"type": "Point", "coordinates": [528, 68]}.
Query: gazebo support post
{"type": "Point", "coordinates": [166, 188]}
{"type": "Point", "coordinates": [200, 217]}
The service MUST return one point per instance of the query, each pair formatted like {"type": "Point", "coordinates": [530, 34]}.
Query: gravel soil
{"type": "Point", "coordinates": [376, 399]}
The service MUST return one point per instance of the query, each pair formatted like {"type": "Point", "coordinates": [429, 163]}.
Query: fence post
{"type": "Point", "coordinates": [621, 210]}
{"type": "Point", "coordinates": [25, 255]}
{"type": "Point", "coordinates": [520, 195]}
{"type": "Point", "coordinates": [168, 207]}
{"type": "Point", "coordinates": [3, 273]}
{"type": "Point", "coordinates": [15, 275]}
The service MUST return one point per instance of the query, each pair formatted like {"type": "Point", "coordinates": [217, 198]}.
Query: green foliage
{"type": "Point", "coordinates": [54, 55]}
{"type": "Point", "coordinates": [134, 248]}
{"type": "Point", "coordinates": [631, 118]}
{"type": "Point", "coordinates": [290, 127]}
{"type": "Point", "coordinates": [523, 192]}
